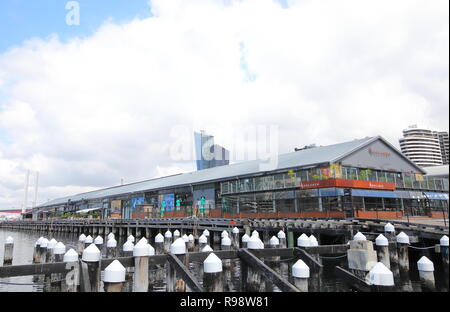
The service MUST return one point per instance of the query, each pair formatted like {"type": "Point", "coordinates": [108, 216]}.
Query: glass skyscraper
{"type": "Point", "coordinates": [208, 154]}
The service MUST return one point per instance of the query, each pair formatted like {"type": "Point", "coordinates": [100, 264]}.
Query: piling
{"type": "Point", "coordinates": [191, 242]}
{"type": "Point", "coordinates": [402, 250]}
{"type": "Point", "coordinates": [167, 240]}
{"type": "Point", "coordinates": [88, 241]}
{"type": "Point", "coordinates": [37, 254]}
{"type": "Point", "coordinates": [202, 241]}
{"type": "Point", "coordinates": [58, 254]}
{"type": "Point", "coordinates": [382, 244]}
{"type": "Point", "coordinates": [114, 277]}
{"type": "Point", "coordinates": [81, 240]}
{"type": "Point", "coordinates": [111, 248]}
{"type": "Point", "coordinates": [9, 249]}
{"type": "Point", "coordinates": [174, 283]}
{"type": "Point", "coordinates": [127, 249]}
{"type": "Point", "coordinates": [274, 242]}
{"type": "Point", "coordinates": [207, 248]}
{"type": "Point", "coordinates": [91, 257]}
{"type": "Point", "coordinates": [303, 241]}
{"type": "Point", "coordinates": [131, 238]}
{"type": "Point", "coordinates": [389, 232]}
{"type": "Point", "coordinates": [49, 256]}
{"type": "Point", "coordinates": [212, 274]}
{"type": "Point", "coordinates": [206, 233]}
{"type": "Point", "coordinates": [186, 241]}
{"type": "Point", "coordinates": [300, 274]}
{"type": "Point", "coordinates": [141, 252]}
{"type": "Point", "coordinates": [110, 236]}
{"type": "Point", "coordinates": [99, 242]}
{"type": "Point", "coordinates": [255, 233]}
{"type": "Point", "coordinates": [255, 283]}
{"type": "Point", "coordinates": [282, 237]}
{"type": "Point", "coordinates": [443, 242]}
{"type": "Point", "coordinates": [43, 250]}
{"type": "Point", "coordinates": [426, 274]}
{"type": "Point", "coordinates": [290, 239]}
{"type": "Point", "coordinates": [235, 236]}
{"type": "Point", "coordinates": [176, 235]}
{"type": "Point", "coordinates": [72, 280]}
{"type": "Point", "coordinates": [381, 277]}
{"type": "Point", "coordinates": [245, 238]}
{"type": "Point", "coordinates": [159, 244]}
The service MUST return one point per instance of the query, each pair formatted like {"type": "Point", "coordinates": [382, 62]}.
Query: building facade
{"type": "Point", "coordinates": [367, 178]}
{"type": "Point", "coordinates": [422, 146]}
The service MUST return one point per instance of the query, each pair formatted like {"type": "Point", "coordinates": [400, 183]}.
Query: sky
{"type": "Point", "coordinates": [88, 105]}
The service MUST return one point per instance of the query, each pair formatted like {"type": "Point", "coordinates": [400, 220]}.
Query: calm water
{"type": "Point", "coordinates": [24, 245]}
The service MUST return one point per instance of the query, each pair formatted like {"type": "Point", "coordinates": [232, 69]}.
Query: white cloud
{"type": "Point", "coordinates": [92, 111]}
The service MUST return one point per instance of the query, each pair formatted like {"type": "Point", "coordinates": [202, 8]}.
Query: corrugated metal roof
{"type": "Point", "coordinates": [302, 158]}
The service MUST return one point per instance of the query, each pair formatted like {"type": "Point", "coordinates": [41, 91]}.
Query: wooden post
{"type": "Point", "coordinates": [245, 238]}
{"type": "Point", "coordinates": [72, 280]}
{"type": "Point", "coordinates": [159, 244]}
{"type": "Point", "coordinates": [202, 242]}
{"type": "Point", "coordinates": [141, 252]}
{"type": "Point", "coordinates": [111, 248]}
{"type": "Point", "coordinates": [282, 237]}
{"type": "Point", "coordinates": [49, 256]}
{"type": "Point", "coordinates": [191, 243]}
{"type": "Point", "coordinates": [43, 250]}
{"type": "Point", "coordinates": [235, 236]}
{"type": "Point", "coordinates": [402, 248]}
{"type": "Point", "coordinates": [99, 243]}
{"type": "Point", "coordinates": [91, 256]}
{"type": "Point", "coordinates": [37, 258]}
{"type": "Point", "coordinates": [208, 238]}
{"type": "Point", "coordinates": [212, 274]}
{"type": "Point", "coordinates": [382, 244]}
{"type": "Point", "coordinates": [89, 240]}
{"type": "Point", "coordinates": [114, 277]}
{"type": "Point", "coordinates": [81, 240]}
{"type": "Point", "coordinates": [300, 274]}
{"type": "Point", "coordinates": [444, 252]}
{"type": "Point", "coordinates": [426, 273]}
{"type": "Point", "coordinates": [178, 248]}
{"type": "Point", "coordinates": [9, 249]}
{"type": "Point", "coordinates": [290, 239]}
{"type": "Point", "coordinates": [167, 240]}
{"type": "Point", "coordinates": [255, 282]}
{"type": "Point", "coordinates": [56, 278]}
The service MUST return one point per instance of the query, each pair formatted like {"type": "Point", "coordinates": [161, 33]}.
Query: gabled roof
{"type": "Point", "coordinates": [303, 158]}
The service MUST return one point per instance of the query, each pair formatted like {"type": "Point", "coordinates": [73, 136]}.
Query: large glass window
{"type": "Point", "coordinates": [408, 180]}
{"type": "Point", "coordinates": [302, 176]}
{"type": "Point", "coordinates": [246, 185]}
{"type": "Point", "coordinates": [279, 181]}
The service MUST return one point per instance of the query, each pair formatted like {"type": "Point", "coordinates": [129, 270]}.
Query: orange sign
{"type": "Point", "coordinates": [347, 183]}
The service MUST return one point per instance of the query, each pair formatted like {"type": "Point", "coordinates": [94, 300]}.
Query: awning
{"type": "Point", "coordinates": [404, 194]}
{"type": "Point", "coordinates": [439, 196]}
{"type": "Point", "coordinates": [371, 193]}
{"type": "Point", "coordinates": [88, 210]}
{"type": "Point", "coordinates": [331, 192]}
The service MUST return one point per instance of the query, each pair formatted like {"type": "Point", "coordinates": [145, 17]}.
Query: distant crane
{"type": "Point", "coordinates": [27, 185]}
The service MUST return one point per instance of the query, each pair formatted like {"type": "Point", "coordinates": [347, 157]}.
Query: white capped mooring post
{"type": "Point", "coordinates": [255, 233]}
{"type": "Point", "coordinates": [72, 280]}
{"type": "Point", "coordinates": [191, 243]}
{"type": "Point", "coordinates": [426, 273]}
{"type": "Point", "coordinates": [58, 255]}
{"type": "Point", "coordinates": [186, 241]}
{"type": "Point", "coordinates": [245, 238]}
{"type": "Point", "coordinates": [114, 277]}
{"type": "Point", "coordinates": [381, 277]}
{"type": "Point", "coordinates": [43, 249]}
{"type": "Point", "coordinates": [207, 248]}
{"type": "Point", "coordinates": [402, 249]}
{"type": "Point", "coordinates": [175, 284]}
{"type": "Point", "coordinates": [225, 244]}
{"type": "Point", "coordinates": [88, 241]}
{"type": "Point", "coordinates": [212, 274]}
{"type": "Point", "coordinates": [91, 256]}
{"type": "Point", "coordinates": [303, 241]}
{"type": "Point", "coordinates": [382, 245]}
{"type": "Point", "coordinates": [81, 240]}
{"type": "Point", "coordinates": [111, 248]}
{"type": "Point", "coordinates": [254, 278]}
{"type": "Point", "coordinates": [235, 236]}
{"type": "Point", "coordinates": [274, 242]}
{"type": "Point", "coordinates": [37, 254]}
{"type": "Point", "coordinates": [301, 274]}
{"type": "Point", "coordinates": [110, 236]}
{"type": "Point", "coordinates": [167, 240]}
{"type": "Point", "coordinates": [127, 248]}
{"type": "Point", "coordinates": [141, 252]}
{"type": "Point", "coordinates": [98, 241]}
{"type": "Point", "coordinates": [131, 238]}
{"type": "Point", "coordinates": [159, 244]}
{"type": "Point", "coordinates": [282, 237]}
{"type": "Point", "coordinates": [206, 233]}
{"type": "Point", "coordinates": [389, 232]}
{"type": "Point", "coordinates": [9, 249]}
{"type": "Point", "coordinates": [49, 258]}
{"type": "Point", "coordinates": [443, 242]}
{"type": "Point", "coordinates": [176, 234]}
{"type": "Point", "coordinates": [202, 241]}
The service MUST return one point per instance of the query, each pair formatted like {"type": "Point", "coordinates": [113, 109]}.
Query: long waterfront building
{"type": "Point", "coordinates": [361, 178]}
